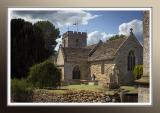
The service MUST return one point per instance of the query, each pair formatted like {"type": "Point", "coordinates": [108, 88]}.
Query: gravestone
{"type": "Point", "coordinates": [113, 76]}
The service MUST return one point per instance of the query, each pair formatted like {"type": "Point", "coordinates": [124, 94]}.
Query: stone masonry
{"type": "Point", "coordinates": [79, 62]}
{"type": "Point", "coordinates": [143, 89]}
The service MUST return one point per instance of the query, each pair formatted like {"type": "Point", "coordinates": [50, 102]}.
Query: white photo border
{"type": "Point", "coordinates": [9, 103]}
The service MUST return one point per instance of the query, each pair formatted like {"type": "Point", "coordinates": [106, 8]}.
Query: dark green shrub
{"type": "Point", "coordinates": [21, 91]}
{"type": "Point", "coordinates": [116, 37]}
{"type": "Point", "coordinates": [138, 71]}
{"type": "Point", "coordinates": [45, 74]}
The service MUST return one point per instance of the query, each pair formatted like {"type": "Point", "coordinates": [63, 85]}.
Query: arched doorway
{"type": "Point", "coordinates": [76, 73]}
{"type": "Point", "coordinates": [131, 61]}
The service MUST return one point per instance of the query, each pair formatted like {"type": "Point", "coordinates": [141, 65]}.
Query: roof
{"type": "Point", "coordinates": [107, 50]}
{"type": "Point", "coordinates": [91, 46]}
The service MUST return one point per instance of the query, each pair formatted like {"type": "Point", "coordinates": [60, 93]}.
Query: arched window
{"type": "Point", "coordinates": [131, 61]}
{"type": "Point", "coordinates": [76, 73]}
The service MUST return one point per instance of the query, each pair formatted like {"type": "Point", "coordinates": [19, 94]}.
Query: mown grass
{"type": "Point", "coordinates": [63, 89]}
{"type": "Point", "coordinates": [84, 87]}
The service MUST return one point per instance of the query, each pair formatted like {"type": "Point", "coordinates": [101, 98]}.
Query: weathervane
{"type": "Point", "coordinates": [76, 24]}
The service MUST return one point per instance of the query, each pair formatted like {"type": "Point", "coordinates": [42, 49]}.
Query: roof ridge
{"type": "Point", "coordinates": [115, 39]}
{"type": "Point", "coordinates": [94, 49]}
{"type": "Point", "coordinates": [121, 45]}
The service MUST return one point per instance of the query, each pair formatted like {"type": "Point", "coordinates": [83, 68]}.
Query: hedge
{"type": "Point", "coordinates": [21, 91]}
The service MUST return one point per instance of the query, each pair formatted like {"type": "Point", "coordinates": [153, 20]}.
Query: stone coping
{"type": "Point", "coordinates": [144, 80]}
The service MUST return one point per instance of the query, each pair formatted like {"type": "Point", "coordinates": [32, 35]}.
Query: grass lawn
{"type": "Point", "coordinates": [84, 87]}
{"type": "Point", "coordinates": [63, 89]}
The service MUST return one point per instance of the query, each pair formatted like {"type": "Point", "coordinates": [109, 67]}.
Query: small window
{"type": "Point", "coordinates": [102, 68]}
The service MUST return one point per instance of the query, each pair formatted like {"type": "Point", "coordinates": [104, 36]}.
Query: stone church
{"type": "Point", "coordinates": [109, 63]}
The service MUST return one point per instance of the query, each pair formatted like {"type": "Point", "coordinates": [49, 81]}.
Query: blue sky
{"type": "Point", "coordinates": [100, 25]}
{"type": "Point", "coordinates": [108, 21]}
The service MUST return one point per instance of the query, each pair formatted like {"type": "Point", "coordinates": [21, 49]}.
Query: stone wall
{"type": "Point", "coordinates": [64, 42]}
{"type": "Point", "coordinates": [125, 77]}
{"type": "Point", "coordinates": [84, 70]}
{"type": "Point", "coordinates": [121, 60]}
{"type": "Point", "coordinates": [143, 89]}
{"type": "Point", "coordinates": [143, 94]}
{"type": "Point", "coordinates": [146, 44]}
{"type": "Point", "coordinates": [60, 58]}
{"type": "Point", "coordinates": [74, 39]}
{"type": "Point", "coordinates": [95, 68]}
{"type": "Point", "coordinates": [77, 55]}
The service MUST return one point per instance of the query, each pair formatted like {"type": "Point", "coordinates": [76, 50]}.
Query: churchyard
{"type": "Point", "coordinates": [103, 72]}
{"type": "Point", "coordinates": [80, 93]}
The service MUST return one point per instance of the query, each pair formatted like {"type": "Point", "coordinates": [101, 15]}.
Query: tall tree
{"type": "Point", "coordinates": [50, 34]}
{"type": "Point", "coordinates": [27, 47]}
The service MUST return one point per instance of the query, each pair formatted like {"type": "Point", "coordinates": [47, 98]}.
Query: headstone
{"type": "Point", "coordinates": [113, 76]}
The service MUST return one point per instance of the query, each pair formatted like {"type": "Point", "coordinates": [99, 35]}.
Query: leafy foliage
{"type": "Point", "coordinates": [21, 91]}
{"type": "Point", "coordinates": [138, 71]}
{"type": "Point", "coordinates": [50, 34]}
{"type": "Point", "coordinates": [27, 46]}
{"type": "Point", "coordinates": [45, 74]}
{"type": "Point", "coordinates": [116, 37]}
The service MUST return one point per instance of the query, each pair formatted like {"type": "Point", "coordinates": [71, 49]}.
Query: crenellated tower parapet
{"type": "Point", "coordinates": [74, 39]}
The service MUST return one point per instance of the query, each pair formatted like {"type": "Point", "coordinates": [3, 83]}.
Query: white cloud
{"type": "Point", "coordinates": [95, 36]}
{"type": "Point", "coordinates": [26, 17]}
{"type": "Point", "coordinates": [136, 25]}
{"type": "Point", "coordinates": [58, 18]}
{"type": "Point", "coordinates": [63, 18]}
{"type": "Point", "coordinates": [124, 29]}
{"type": "Point", "coordinates": [59, 41]}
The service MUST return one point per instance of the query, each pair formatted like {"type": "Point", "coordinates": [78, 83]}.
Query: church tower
{"type": "Point", "coordinates": [72, 39]}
